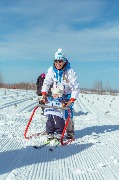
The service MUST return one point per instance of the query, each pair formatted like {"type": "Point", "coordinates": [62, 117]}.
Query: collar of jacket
{"type": "Point", "coordinates": [60, 72]}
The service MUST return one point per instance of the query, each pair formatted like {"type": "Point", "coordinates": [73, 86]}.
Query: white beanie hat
{"type": "Point", "coordinates": [59, 55]}
{"type": "Point", "coordinates": [58, 90]}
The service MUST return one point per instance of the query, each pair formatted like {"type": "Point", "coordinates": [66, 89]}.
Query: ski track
{"type": "Point", "coordinates": [94, 155]}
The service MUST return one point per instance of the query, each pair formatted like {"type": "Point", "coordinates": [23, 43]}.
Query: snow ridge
{"type": "Point", "coordinates": [94, 155]}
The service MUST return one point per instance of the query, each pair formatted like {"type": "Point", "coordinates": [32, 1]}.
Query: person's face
{"type": "Point", "coordinates": [55, 95]}
{"type": "Point", "coordinates": [59, 64]}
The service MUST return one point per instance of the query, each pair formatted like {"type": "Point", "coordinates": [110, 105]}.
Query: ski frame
{"type": "Point", "coordinates": [37, 134]}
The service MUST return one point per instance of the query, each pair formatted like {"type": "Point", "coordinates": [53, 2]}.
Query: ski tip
{"type": "Point", "coordinates": [35, 147]}
{"type": "Point", "coordinates": [50, 149]}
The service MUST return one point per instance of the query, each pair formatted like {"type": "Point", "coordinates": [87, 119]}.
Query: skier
{"type": "Point", "coordinates": [39, 84]}
{"type": "Point", "coordinates": [62, 74]}
{"type": "Point", "coordinates": [56, 117]}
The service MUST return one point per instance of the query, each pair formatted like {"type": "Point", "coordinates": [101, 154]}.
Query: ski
{"type": "Point", "coordinates": [43, 145]}
{"type": "Point", "coordinates": [55, 145]}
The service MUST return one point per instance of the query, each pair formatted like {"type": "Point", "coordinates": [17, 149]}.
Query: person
{"type": "Point", "coordinates": [62, 73]}
{"type": "Point", "coordinates": [55, 117]}
{"type": "Point", "coordinates": [39, 84]}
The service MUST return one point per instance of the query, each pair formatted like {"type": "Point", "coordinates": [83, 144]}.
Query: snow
{"type": "Point", "coordinates": [94, 155]}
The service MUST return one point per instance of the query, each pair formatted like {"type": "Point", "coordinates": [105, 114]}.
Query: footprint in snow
{"type": "Point", "coordinates": [115, 160]}
{"type": "Point", "coordinates": [81, 171]}
{"type": "Point", "coordinates": [78, 171]}
{"type": "Point", "coordinates": [101, 165]}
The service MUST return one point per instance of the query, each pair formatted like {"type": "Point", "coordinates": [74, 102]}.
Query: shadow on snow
{"type": "Point", "coordinates": [95, 129]}
{"type": "Point", "coordinates": [12, 159]}
{"type": "Point", "coordinates": [28, 156]}
{"type": "Point", "coordinates": [80, 113]}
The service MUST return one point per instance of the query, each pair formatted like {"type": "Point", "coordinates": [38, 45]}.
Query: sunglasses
{"type": "Point", "coordinates": [58, 61]}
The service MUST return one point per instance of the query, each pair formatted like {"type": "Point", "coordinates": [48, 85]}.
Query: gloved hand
{"type": "Point", "coordinates": [42, 102]}
{"type": "Point", "coordinates": [64, 104]}
{"type": "Point", "coordinates": [70, 102]}
{"type": "Point", "coordinates": [44, 98]}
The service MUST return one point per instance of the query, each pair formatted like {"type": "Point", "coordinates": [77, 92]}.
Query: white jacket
{"type": "Point", "coordinates": [57, 112]}
{"type": "Point", "coordinates": [68, 79]}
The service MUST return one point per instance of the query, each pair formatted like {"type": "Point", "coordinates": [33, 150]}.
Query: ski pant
{"type": "Point", "coordinates": [55, 124]}
{"type": "Point", "coordinates": [70, 127]}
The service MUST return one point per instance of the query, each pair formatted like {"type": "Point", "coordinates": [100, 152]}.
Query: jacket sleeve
{"type": "Point", "coordinates": [47, 81]}
{"type": "Point", "coordinates": [73, 83]}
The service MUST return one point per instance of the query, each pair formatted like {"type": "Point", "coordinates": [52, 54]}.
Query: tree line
{"type": "Point", "coordinates": [98, 87]}
{"type": "Point", "coordinates": [20, 85]}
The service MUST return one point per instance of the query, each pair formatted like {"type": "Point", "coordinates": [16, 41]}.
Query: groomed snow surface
{"type": "Point", "coordinates": [94, 155]}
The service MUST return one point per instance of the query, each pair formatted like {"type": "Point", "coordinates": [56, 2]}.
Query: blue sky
{"type": "Point", "coordinates": [31, 31]}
